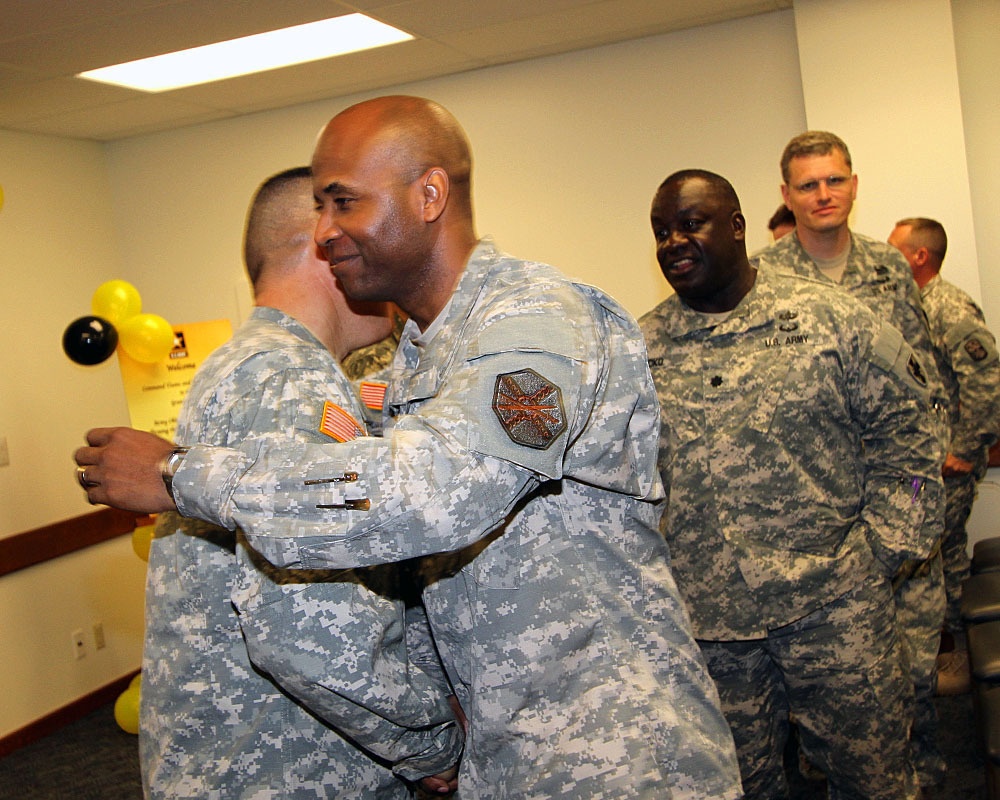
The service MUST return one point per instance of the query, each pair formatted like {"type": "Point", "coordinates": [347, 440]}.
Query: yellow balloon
{"type": "Point", "coordinates": [141, 539]}
{"type": "Point", "coordinates": [146, 337]}
{"type": "Point", "coordinates": [127, 710]}
{"type": "Point", "coordinates": [116, 301]}
{"type": "Point", "coordinates": [136, 682]}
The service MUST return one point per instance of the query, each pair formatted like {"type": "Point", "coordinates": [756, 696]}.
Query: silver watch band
{"type": "Point", "coordinates": [169, 466]}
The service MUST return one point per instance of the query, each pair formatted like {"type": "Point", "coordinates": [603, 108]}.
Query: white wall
{"type": "Point", "coordinates": [868, 71]}
{"type": "Point", "coordinates": [57, 245]}
{"type": "Point", "coordinates": [976, 23]}
{"type": "Point", "coordinates": [569, 151]}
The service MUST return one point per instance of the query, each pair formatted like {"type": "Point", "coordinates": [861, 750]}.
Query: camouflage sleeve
{"type": "Point", "coordinates": [342, 650]}
{"type": "Point", "coordinates": [327, 638]}
{"type": "Point", "coordinates": [903, 492]}
{"type": "Point", "coordinates": [912, 322]}
{"type": "Point", "coordinates": [443, 476]}
{"type": "Point", "coordinates": [976, 365]}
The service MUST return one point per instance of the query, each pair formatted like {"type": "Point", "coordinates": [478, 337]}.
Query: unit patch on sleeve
{"type": "Point", "coordinates": [339, 424]}
{"type": "Point", "coordinates": [529, 408]}
{"type": "Point", "coordinates": [975, 349]}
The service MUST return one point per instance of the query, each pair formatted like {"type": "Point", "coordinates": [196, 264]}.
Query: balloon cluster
{"type": "Point", "coordinates": [117, 319]}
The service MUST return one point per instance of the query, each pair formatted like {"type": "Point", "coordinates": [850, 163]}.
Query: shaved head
{"type": "Point", "coordinates": [392, 178]}
{"type": "Point", "coordinates": [280, 220]}
{"type": "Point", "coordinates": [412, 134]}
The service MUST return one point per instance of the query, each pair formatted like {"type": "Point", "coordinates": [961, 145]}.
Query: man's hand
{"type": "Point", "coordinates": [121, 468]}
{"type": "Point", "coordinates": [955, 466]}
{"type": "Point", "coordinates": [444, 783]}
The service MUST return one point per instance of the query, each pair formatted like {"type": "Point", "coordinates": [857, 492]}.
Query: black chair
{"type": "Point", "coordinates": [986, 555]}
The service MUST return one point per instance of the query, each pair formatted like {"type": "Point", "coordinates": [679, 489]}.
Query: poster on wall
{"type": "Point", "coordinates": [155, 391]}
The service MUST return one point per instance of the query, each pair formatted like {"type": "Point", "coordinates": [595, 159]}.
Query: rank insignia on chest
{"type": "Point", "coordinates": [339, 424]}
{"type": "Point", "coordinates": [529, 408]}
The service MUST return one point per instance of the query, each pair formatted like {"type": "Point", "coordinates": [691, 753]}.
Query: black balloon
{"type": "Point", "coordinates": [89, 340]}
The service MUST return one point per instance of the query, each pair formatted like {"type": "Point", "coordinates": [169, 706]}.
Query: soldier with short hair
{"type": "Point", "coordinates": [820, 186]}
{"type": "Point", "coordinates": [971, 373]}
{"type": "Point", "coordinates": [799, 459]}
{"type": "Point", "coordinates": [212, 725]}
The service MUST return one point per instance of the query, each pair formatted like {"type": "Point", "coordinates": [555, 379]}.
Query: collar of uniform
{"type": "Point", "coordinates": [425, 353]}
{"type": "Point", "coordinates": [931, 285]}
{"type": "Point", "coordinates": [285, 321]}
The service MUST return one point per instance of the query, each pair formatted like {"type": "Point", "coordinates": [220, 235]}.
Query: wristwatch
{"type": "Point", "coordinates": [169, 467]}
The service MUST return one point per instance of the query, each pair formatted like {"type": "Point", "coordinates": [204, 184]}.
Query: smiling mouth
{"type": "Point", "coordinates": [681, 265]}
{"type": "Point", "coordinates": [338, 260]}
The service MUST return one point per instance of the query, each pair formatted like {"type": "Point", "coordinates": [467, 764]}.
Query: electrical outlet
{"type": "Point", "coordinates": [99, 641]}
{"type": "Point", "coordinates": [79, 644]}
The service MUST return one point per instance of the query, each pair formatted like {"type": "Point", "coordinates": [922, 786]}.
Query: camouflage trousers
{"type": "Point", "coordinates": [960, 493]}
{"type": "Point", "coordinates": [840, 672]}
{"type": "Point", "coordinates": [920, 606]}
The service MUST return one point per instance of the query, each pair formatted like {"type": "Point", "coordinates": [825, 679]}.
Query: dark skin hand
{"type": "Point", "coordinates": [446, 782]}
{"type": "Point", "coordinates": [124, 465]}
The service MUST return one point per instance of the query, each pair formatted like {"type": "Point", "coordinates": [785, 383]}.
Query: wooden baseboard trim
{"type": "Point", "coordinates": [61, 717]}
{"type": "Point", "coordinates": [34, 547]}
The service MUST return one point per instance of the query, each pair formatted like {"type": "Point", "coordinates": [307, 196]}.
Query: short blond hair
{"type": "Point", "coordinates": [812, 143]}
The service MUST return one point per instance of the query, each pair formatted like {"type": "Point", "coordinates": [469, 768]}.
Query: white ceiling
{"type": "Point", "coordinates": [43, 43]}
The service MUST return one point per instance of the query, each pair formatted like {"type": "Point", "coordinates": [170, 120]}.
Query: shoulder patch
{"type": "Point", "coordinates": [975, 349]}
{"type": "Point", "coordinates": [339, 424]}
{"type": "Point", "coordinates": [529, 408]}
{"type": "Point", "coordinates": [373, 394]}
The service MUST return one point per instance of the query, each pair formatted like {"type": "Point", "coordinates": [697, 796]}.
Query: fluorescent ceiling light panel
{"type": "Point", "coordinates": [263, 51]}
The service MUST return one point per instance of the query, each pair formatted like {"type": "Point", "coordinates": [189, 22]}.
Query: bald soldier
{"type": "Point", "coordinates": [519, 445]}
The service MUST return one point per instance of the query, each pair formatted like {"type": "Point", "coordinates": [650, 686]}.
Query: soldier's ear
{"type": "Point", "coordinates": [739, 224]}
{"type": "Point", "coordinates": [434, 187]}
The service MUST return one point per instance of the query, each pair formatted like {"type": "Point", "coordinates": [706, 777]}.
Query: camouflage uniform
{"type": "Point", "coordinates": [211, 726]}
{"type": "Point", "coordinates": [798, 457]}
{"type": "Point", "coordinates": [524, 447]}
{"type": "Point", "coordinates": [879, 276]}
{"type": "Point", "coordinates": [373, 358]}
{"type": "Point", "coordinates": [972, 380]}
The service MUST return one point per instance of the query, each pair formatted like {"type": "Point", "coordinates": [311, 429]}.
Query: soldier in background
{"type": "Point", "coordinates": [799, 460]}
{"type": "Point", "coordinates": [971, 376]}
{"type": "Point", "coordinates": [819, 186]}
{"type": "Point", "coordinates": [782, 222]}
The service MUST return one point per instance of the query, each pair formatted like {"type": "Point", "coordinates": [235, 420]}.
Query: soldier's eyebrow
{"type": "Point", "coordinates": [335, 187]}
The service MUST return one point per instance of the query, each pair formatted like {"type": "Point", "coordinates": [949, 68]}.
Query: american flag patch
{"type": "Point", "coordinates": [373, 394]}
{"type": "Point", "coordinates": [339, 424]}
